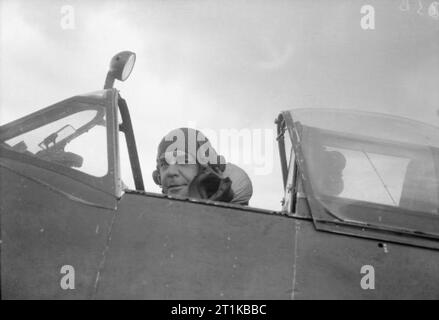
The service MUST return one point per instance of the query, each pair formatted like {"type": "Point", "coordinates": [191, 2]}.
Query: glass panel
{"type": "Point", "coordinates": [361, 164]}
{"type": "Point", "coordinates": [376, 126]}
{"type": "Point", "coordinates": [78, 141]}
{"type": "Point", "coordinates": [372, 177]}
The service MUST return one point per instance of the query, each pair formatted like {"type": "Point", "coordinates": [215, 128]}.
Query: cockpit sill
{"type": "Point", "coordinates": [379, 233]}
{"type": "Point", "coordinates": [210, 203]}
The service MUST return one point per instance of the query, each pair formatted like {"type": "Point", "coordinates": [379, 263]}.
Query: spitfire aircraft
{"type": "Point", "coordinates": [359, 217]}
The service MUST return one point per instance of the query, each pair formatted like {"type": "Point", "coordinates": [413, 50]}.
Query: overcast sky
{"type": "Point", "coordinates": [223, 64]}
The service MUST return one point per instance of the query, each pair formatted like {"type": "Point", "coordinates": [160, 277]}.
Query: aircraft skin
{"type": "Point", "coordinates": [155, 248]}
{"type": "Point", "coordinates": [139, 245]}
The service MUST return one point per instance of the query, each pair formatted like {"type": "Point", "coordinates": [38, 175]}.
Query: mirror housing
{"type": "Point", "coordinates": [121, 66]}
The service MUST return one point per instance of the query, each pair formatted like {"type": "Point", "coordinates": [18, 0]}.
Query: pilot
{"type": "Point", "coordinates": [188, 166]}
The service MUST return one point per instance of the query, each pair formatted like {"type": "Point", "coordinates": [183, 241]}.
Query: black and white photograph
{"type": "Point", "coordinates": [219, 154]}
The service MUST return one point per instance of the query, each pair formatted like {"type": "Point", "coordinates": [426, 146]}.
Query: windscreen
{"type": "Point", "coordinates": [74, 135]}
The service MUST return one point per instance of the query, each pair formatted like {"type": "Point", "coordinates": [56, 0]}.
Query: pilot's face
{"type": "Point", "coordinates": [176, 176]}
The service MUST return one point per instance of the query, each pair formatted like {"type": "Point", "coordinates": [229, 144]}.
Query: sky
{"type": "Point", "coordinates": [223, 66]}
